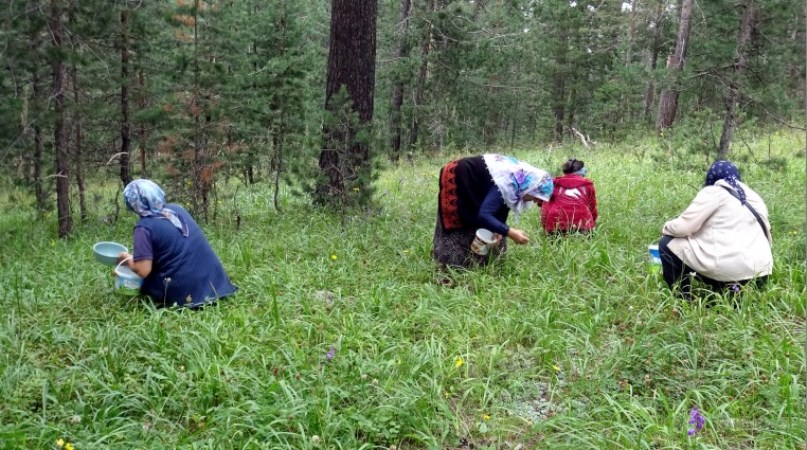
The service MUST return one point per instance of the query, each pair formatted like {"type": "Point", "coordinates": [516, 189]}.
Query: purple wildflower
{"type": "Point", "coordinates": [331, 353]}
{"type": "Point", "coordinates": [735, 288]}
{"type": "Point", "coordinates": [696, 419]}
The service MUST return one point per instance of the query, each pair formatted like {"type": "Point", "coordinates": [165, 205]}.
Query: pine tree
{"type": "Point", "coordinates": [345, 158]}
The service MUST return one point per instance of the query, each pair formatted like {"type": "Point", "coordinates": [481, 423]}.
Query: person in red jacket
{"type": "Point", "coordinates": [573, 206]}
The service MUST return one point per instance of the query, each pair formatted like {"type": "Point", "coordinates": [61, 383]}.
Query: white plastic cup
{"type": "Point", "coordinates": [482, 242]}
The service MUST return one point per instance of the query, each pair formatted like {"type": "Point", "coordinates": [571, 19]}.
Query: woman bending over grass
{"type": "Point", "coordinates": [170, 251]}
{"type": "Point", "coordinates": [723, 236]}
{"type": "Point", "coordinates": [479, 192]}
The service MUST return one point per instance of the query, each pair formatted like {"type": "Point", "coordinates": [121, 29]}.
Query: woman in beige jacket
{"type": "Point", "coordinates": [718, 238]}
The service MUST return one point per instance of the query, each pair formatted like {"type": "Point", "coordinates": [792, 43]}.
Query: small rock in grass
{"type": "Point", "coordinates": [326, 297]}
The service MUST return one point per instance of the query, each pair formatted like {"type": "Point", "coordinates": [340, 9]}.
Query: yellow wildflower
{"type": "Point", "coordinates": [68, 446]}
{"type": "Point", "coordinates": [60, 442]}
{"type": "Point", "coordinates": [446, 394]}
{"type": "Point", "coordinates": [485, 417]}
{"type": "Point", "coordinates": [557, 369]}
{"type": "Point", "coordinates": [459, 362]}
{"type": "Point", "coordinates": [333, 257]}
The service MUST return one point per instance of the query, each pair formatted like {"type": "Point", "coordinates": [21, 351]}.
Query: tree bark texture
{"type": "Point", "coordinates": [201, 184]}
{"type": "Point", "coordinates": [650, 93]}
{"type": "Point", "coordinates": [634, 7]}
{"type": "Point", "coordinates": [420, 86]}
{"type": "Point", "coordinates": [125, 124]}
{"type": "Point", "coordinates": [668, 101]}
{"type": "Point", "coordinates": [733, 89]}
{"type": "Point", "coordinates": [77, 150]}
{"type": "Point", "coordinates": [559, 88]}
{"type": "Point", "coordinates": [401, 52]}
{"type": "Point", "coordinates": [142, 137]}
{"type": "Point", "coordinates": [78, 163]}
{"type": "Point", "coordinates": [39, 188]}
{"type": "Point", "coordinates": [572, 109]}
{"type": "Point", "coordinates": [65, 219]}
{"type": "Point", "coordinates": [351, 64]}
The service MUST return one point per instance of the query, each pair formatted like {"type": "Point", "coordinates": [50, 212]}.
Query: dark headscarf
{"type": "Point", "coordinates": [727, 171]}
{"type": "Point", "coordinates": [574, 166]}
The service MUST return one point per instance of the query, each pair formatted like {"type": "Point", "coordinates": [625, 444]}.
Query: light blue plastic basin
{"type": "Point", "coordinates": [107, 252]}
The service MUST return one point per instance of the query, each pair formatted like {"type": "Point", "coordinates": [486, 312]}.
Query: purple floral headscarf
{"type": "Point", "coordinates": [515, 179]}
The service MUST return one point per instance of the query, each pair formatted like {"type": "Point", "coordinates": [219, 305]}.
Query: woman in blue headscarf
{"type": "Point", "coordinates": [170, 252]}
{"type": "Point", "coordinates": [723, 236]}
{"type": "Point", "coordinates": [479, 192]}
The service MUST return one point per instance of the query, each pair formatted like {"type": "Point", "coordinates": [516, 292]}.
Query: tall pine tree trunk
{"type": "Point", "coordinates": [65, 219]}
{"type": "Point", "coordinates": [668, 102]}
{"type": "Point", "coordinates": [401, 52]}
{"type": "Point", "coordinates": [125, 125]}
{"type": "Point", "coordinates": [420, 86]}
{"type": "Point", "coordinates": [199, 157]}
{"type": "Point", "coordinates": [634, 7]}
{"type": "Point", "coordinates": [37, 102]}
{"type": "Point", "coordinates": [77, 138]}
{"type": "Point", "coordinates": [650, 93]}
{"type": "Point", "coordinates": [351, 65]}
{"type": "Point", "coordinates": [77, 150]}
{"type": "Point", "coordinates": [278, 140]}
{"type": "Point", "coordinates": [141, 84]}
{"type": "Point", "coordinates": [559, 88]}
{"type": "Point", "coordinates": [733, 90]}
{"type": "Point", "coordinates": [572, 109]}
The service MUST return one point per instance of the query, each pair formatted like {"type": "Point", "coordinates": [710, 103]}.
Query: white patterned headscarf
{"type": "Point", "coordinates": [515, 179]}
{"type": "Point", "coordinates": [146, 199]}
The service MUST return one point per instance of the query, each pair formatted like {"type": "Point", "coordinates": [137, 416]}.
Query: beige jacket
{"type": "Point", "coordinates": [720, 238]}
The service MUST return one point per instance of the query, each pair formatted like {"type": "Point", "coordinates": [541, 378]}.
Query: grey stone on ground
{"type": "Point", "coordinates": [538, 407]}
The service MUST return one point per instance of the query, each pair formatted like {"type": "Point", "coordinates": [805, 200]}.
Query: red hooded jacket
{"type": "Point", "coordinates": [573, 205]}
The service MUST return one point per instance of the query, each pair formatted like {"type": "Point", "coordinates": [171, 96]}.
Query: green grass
{"type": "Point", "coordinates": [568, 343]}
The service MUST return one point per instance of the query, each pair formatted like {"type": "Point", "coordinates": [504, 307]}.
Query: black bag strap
{"type": "Point", "coordinates": [753, 211]}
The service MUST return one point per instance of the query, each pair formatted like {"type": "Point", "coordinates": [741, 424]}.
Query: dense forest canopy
{"type": "Point", "coordinates": [195, 91]}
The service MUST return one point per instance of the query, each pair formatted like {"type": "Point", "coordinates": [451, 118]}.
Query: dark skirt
{"type": "Point", "coordinates": [453, 248]}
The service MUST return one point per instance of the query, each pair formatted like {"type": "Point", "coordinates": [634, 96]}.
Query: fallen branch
{"type": "Point", "coordinates": [583, 138]}
{"type": "Point", "coordinates": [115, 156]}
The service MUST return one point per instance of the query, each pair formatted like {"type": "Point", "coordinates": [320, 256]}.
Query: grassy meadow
{"type": "Point", "coordinates": [568, 343]}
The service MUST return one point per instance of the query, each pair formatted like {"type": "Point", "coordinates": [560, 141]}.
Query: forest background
{"type": "Point", "coordinates": [195, 92]}
{"type": "Point", "coordinates": [338, 336]}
